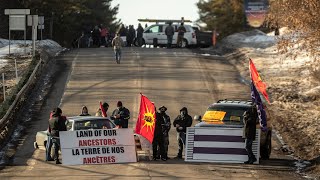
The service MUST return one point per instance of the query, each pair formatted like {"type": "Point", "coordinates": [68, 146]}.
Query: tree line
{"type": "Point", "coordinates": [64, 20]}
{"type": "Point", "coordinates": [300, 16]}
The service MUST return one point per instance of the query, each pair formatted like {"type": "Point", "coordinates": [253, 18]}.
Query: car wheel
{"type": "Point", "coordinates": [143, 42]}
{"type": "Point", "coordinates": [266, 148]}
{"type": "Point", "coordinates": [184, 43]}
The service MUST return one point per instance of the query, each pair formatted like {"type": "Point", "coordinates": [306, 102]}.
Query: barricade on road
{"type": "Point", "coordinates": [99, 146]}
{"type": "Point", "coordinates": [218, 144]}
{"type": "Point", "coordinates": [143, 146]}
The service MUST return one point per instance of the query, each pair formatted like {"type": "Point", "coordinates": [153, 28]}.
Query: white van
{"type": "Point", "coordinates": [155, 35]}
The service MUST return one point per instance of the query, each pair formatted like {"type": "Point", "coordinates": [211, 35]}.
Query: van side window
{"type": "Point", "coordinates": [155, 29]}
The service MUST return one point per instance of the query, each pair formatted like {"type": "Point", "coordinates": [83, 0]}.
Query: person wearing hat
{"type": "Point", "coordinates": [158, 139]}
{"type": "Point", "coordinates": [121, 116]}
{"type": "Point", "coordinates": [166, 126]}
{"type": "Point", "coordinates": [181, 123]}
{"type": "Point", "coordinates": [105, 107]}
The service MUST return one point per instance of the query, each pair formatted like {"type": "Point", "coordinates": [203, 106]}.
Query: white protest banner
{"type": "Point", "coordinates": [100, 146]}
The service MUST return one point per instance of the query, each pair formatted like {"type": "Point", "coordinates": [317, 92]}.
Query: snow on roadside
{"type": "Point", "coordinates": [254, 38]}
{"type": "Point", "coordinates": [17, 48]}
{"type": "Point", "coordinates": [294, 108]}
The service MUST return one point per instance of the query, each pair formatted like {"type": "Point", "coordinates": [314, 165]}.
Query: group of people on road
{"type": "Point", "coordinates": [160, 142]}
{"type": "Point", "coordinates": [131, 34]}
{"type": "Point", "coordinates": [101, 36]}
{"type": "Point", "coordinates": [169, 31]}
{"type": "Point", "coordinates": [97, 36]}
{"type": "Point", "coordinates": [57, 123]}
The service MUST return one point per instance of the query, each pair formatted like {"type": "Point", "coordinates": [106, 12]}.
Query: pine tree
{"type": "Point", "coordinates": [227, 16]}
{"type": "Point", "coordinates": [71, 17]}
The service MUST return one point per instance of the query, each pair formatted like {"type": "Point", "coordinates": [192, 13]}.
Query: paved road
{"type": "Point", "coordinates": [174, 78]}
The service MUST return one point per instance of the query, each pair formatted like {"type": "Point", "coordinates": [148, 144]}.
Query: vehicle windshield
{"type": "Point", "coordinates": [93, 124]}
{"type": "Point", "coordinates": [225, 114]}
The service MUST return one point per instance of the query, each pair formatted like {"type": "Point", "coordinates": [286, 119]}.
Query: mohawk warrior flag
{"type": "Point", "coordinates": [260, 109]}
{"type": "Point", "coordinates": [147, 119]}
{"type": "Point", "coordinates": [257, 81]}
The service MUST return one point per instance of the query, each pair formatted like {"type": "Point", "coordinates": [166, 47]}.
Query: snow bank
{"type": "Point", "coordinates": [17, 48]}
{"type": "Point", "coordinates": [254, 39]}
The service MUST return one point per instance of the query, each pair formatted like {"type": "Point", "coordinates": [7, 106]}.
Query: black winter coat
{"type": "Point", "coordinates": [183, 122]}
{"type": "Point", "coordinates": [250, 121]}
{"type": "Point", "coordinates": [158, 126]}
{"type": "Point", "coordinates": [57, 124]}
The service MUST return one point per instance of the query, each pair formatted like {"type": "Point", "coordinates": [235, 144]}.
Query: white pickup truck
{"type": "Point", "coordinates": [155, 35]}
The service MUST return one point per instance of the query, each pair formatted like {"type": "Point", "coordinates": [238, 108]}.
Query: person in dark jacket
{"type": "Point", "coordinates": [169, 31]}
{"type": "Point", "coordinates": [122, 30]}
{"type": "Point", "coordinates": [250, 121]}
{"type": "Point", "coordinates": [49, 141]}
{"type": "Point", "coordinates": [181, 31]}
{"type": "Point", "coordinates": [166, 126]}
{"type": "Point", "coordinates": [96, 36]}
{"type": "Point", "coordinates": [57, 123]}
{"type": "Point", "coordinates": [121, 116]}
{"type": "Point", "coordinates": [181, 123]}
{"type": "Point", "coordinates": [158, 138]}
{"type": "Point", "coordinates": [139, 35]}
{"type": "Point", "coordinates": [84, 111]}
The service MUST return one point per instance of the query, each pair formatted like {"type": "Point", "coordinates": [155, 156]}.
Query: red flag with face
{"type": "Point", "coordinates": [147, 119]}
{"type": "Point", "coordinates": [260, 85]}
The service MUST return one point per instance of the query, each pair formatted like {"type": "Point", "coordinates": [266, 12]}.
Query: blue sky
{"type": "Point", "coordinates": [131, 10]}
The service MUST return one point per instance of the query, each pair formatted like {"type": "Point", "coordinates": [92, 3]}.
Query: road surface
{"type": "Point", "coordinates": [171, 77]}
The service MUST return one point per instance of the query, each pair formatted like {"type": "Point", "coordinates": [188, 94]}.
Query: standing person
{"type": "Point", "coordinates": [96, 36]}
{"type": "Point", "coordinates": [158, 138]}
{"type": "Point", "coordinates": [181, 31]}
{"type": "Point", "coordinates": [250, 121]}
{"type": "Point", "coordinates": [49, 141]}
{"type": "Point", "coordinates": [117, 44]}
{"type": "Point", "coordinates": [122, 30]}
{"type": "Point", "coordinates": [132, 33]}
{"type": "Point", "coordinates": [103, 35]}
{"type": "Point", "coordinates": [84, 111]}
{"type": "Point", "coordinates": [169, 31]}
{"type": "Point", "coordinates": [121, 116]}
{"type": "Point", "coordinates": [139, 35]}
{"type": "Point", "coordinates": [166, 126]}
{"type": "Point", "coordinates": [57, 123]}
{"type": "Point", "coordinates": [105, 106]}
{"type": "Point", "coordinates": [181, 123]}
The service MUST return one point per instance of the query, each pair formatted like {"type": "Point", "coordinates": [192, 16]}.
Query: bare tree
{"type": "Point", "coordinates": [302, 19]}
